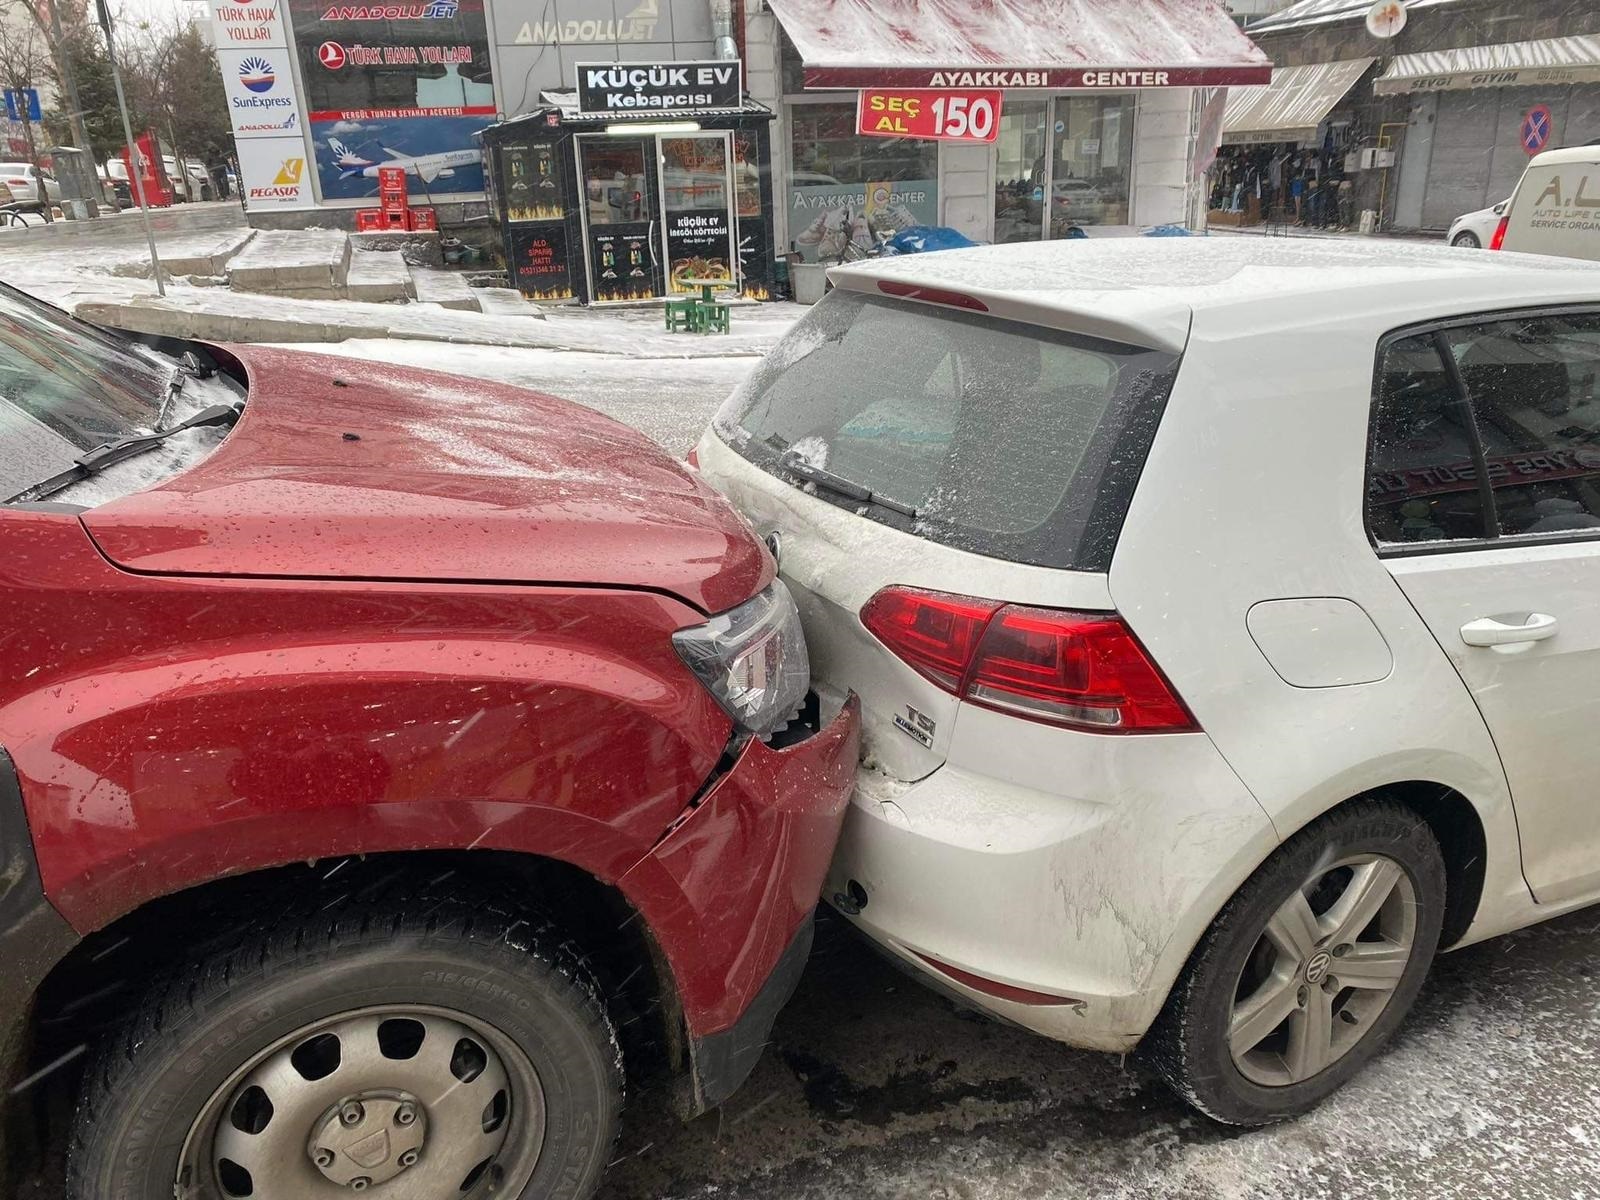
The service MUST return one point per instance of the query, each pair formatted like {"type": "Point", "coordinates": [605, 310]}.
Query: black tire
{"type": "Point", "coordinates": [193, 1032]}
{"type": "Point", "coordinates": [1467, 240]}
{"type": "Point", "coordinates": [1189, 1046]}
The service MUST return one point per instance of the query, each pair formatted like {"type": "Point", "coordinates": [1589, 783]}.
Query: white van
{"type": "Point", "coordinates": [1556, 207]}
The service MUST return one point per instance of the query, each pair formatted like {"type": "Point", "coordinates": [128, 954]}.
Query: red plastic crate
{"type": "Point", "coordinates": [422, 218]}
{"type": "Point", "coordinates": [368, 219]}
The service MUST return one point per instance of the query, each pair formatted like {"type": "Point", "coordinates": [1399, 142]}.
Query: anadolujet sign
{"type": "Point", "coordinates": [658, 87]}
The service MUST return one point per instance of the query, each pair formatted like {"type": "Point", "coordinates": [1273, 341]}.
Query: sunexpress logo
{"type": "Point", "coordinates": [258, 76]}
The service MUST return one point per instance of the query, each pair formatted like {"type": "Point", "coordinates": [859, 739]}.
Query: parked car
{"type": "Point", "coordinates": [1223, 620]}
{"type": "Point", "coordinates": [389, 763]}
{"type": "Point", "coordinates": [23, 178]}
{"type": "Point", "coordinates": [15, 213]}
{"type": "Point", "coordinates": [117, 192]}
{"type": "Point", "coordinates": [1474, 230]}
{"type": "Point", "coordinates": [1553, 209]}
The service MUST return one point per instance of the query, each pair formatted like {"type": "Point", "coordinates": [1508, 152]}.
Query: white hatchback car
{"type": "Point", "coordinates": [1224, 617]}
{"type": "Point", "coordinates": [1475, 230]}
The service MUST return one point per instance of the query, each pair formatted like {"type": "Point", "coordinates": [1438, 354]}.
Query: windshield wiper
{"type": "Point", "coordinates": [189, 367]}
{"type": "Point", "coordinates": [94, 461]}
{"type": "Point", "coordinates": [841, 486]}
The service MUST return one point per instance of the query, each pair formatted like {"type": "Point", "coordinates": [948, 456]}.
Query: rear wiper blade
{"type": "Point", "coordinates": [94, 461]}
{"type": "Point", "coordinates": [841, 486]}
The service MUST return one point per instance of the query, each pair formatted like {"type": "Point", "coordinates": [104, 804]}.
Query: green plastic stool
{"type": "Point", "coordinates": [718, 318]}
{"type": "Point", "coordinates": [683, 315]}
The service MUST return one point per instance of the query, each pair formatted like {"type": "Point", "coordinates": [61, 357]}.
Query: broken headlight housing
{"type": "Point", "coordinates": [752, 659]}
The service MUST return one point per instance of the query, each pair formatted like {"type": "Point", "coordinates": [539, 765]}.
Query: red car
{"type": "Point", "coordinates": [389, 766]}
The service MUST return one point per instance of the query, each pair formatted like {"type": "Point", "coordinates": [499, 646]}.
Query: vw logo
{"type": "Point", "coordinates": [1317, 967]}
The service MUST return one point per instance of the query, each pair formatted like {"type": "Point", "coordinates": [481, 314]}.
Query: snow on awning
{"type": "Point", "coordinates": [1292, 106]}
{"type": "Point", "coordinates": [1324, 12]}
{"type": "Point", "coordinates": [1509, 64]}
{"type": "Point", "coordinates": [1020, 43]}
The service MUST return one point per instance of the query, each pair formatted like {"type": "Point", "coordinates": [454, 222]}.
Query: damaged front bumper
{"type": "Point", "coordinates": [745, 868]}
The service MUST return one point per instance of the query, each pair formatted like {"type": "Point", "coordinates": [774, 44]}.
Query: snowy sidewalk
{"type": "Point", "coordinates": [216, 314]}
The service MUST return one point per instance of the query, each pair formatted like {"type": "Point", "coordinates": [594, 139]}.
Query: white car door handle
{"type": "Point", "coordinates": [1486, 631]}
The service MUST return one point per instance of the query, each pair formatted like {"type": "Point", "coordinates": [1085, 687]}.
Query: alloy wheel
{"type": "Point", "coordinates": [418, 1102]}
{"type": "Point", "coordinates": [1323, 970]}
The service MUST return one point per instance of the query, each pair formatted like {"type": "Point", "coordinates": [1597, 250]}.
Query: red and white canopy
{"type": "Point", "coordinates": [1020, 43]}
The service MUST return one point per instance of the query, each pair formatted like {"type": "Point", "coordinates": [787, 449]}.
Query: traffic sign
{"type": "Point", "coordinates": [331, 55]}
{"type": "Point", "coordinates": [1537, 126]}
{"type": "Point", "coordinates": [20, 100]}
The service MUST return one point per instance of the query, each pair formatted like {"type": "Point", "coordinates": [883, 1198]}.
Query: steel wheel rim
{"type": "Point", "coordinates": [459, 1117]}
{"type": "Point", "coordinates": [1323, 970]}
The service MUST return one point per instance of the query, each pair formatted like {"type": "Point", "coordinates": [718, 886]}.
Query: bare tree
{"type": "Point", "coordinates": [24, 60]}
{"type": "Point", "coordinates": [175, 80]}
{"type": "Point", "coordinates": [57, 21]}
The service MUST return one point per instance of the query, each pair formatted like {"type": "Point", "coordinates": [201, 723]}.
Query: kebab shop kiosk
{"type": "Point", "coordinates": [646, 174]}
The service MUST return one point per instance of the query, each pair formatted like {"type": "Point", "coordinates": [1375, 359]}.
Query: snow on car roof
{"type": "Point", "coordinates": [1568, 154]}
{"type": "Point", "coordinates": [1145, 291]}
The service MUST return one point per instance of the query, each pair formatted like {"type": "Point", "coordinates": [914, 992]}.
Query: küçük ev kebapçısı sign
{"type": "Point", "coordinates": [658, 87]}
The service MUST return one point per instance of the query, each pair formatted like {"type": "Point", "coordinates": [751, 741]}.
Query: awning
{"type": "Point", "coordinates": [1551, 62]}
{"type": "Point", "coordinates": [1102, 44]}
{"type": "Point", "coordinates": [1292, 106]}
{"type": "Point", "coordinates": [1325, 12]}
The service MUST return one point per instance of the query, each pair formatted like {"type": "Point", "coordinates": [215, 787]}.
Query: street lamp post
{"type": "Point", "coordinates": [135, 176]}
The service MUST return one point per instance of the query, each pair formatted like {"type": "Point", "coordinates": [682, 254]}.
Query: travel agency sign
{"type": "Point", "coordinates": [268, 126]}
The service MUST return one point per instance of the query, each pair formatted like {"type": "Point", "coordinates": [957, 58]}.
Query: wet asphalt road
{"type": "Point", "coordinates": [873, 1087]}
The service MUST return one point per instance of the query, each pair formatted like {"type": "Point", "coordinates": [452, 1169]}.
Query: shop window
{"type": "Point", "coordinates": [747, 172]}
{"type": "Point", "coordinates": [1530, 424]}
{"type": "Point", "coordinates": [614, 182]}
{"type": "Point", "coordinates": [532, 182]}
{"type": "Point", "coordinates": [849, 190]}
{"type": "Point", "coordinates": [1061, 164]}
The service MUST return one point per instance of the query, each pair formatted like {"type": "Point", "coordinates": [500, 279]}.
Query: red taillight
{"type": "Point", "coordinates": [1498, 241]}
{"type": "Point", "coordinates": [1082, 670]}
{"type": "Point", "coordinates": [693, 457]}
{"type": "Point", "coordinates": [935, 632]}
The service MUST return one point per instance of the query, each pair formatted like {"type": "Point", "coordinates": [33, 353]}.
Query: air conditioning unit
{"type": "Point", "coordinates": [1375, 158]}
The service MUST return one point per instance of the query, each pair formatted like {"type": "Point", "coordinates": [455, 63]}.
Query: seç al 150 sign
{"type": "Point", "coordinates": [658, 87]}
{"type": "Point", "coordinates": [930, 114]}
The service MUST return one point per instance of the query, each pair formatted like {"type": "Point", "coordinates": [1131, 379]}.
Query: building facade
{"type": "Point", "coordinates": [1097, 129]}
{"type": "Point", "coordinates": [1441, 118]}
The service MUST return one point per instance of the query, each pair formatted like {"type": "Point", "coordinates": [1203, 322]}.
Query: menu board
{"type": "Point", "coordinates": [532, 182]}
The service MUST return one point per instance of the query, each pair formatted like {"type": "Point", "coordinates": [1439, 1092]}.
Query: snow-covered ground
{"type": "Point", "coordinates": [874, 1088]}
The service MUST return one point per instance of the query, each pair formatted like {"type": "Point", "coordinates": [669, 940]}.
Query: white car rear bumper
{"type": "Point", "coordinates": [1090, 896]}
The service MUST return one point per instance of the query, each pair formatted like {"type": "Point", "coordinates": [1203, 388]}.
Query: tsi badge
{"type": "Point", "coordinates": [918, 724]}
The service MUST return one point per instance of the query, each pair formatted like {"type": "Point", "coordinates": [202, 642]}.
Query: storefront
{"type": "Point", "coordinates": [1095, 129]}
{"type": "Point", "coordinates": [1479, 112]}
{"type": "Point", "coordinates": [1285, 148]}
{"type": "Point", "coordinates": [602, 201]}
{"type": "Point", "coordinates": [1095, 126]}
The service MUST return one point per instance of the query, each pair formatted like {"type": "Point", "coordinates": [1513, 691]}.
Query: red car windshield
{"type": "Point", "coordinates": [65, 387]}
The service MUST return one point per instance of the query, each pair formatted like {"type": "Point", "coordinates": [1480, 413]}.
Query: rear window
{"type": "Point", "coordinates": [1001, 438]}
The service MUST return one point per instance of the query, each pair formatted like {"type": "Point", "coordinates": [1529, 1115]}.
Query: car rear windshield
{"type": "Point", "coordinates": [1005, 439]}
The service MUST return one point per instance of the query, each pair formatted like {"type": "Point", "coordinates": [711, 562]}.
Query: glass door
{"type": "Point", "coordinates": [1021, 168]}
{"type": "Point", "coordinates": [1061, 164]}
{"type": "Point", "coordinates": [698, 235]}
{"type": "Point", "coordinates": [620, 205]}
